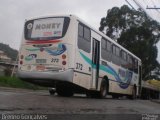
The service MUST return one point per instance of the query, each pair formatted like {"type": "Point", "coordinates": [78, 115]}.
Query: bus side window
{"type": "Point", "coordinates": [84, 38]}
{"type": "Point", "coordinates": [135, 65]}
{"type": "Point", "coordinates": [115, 54]}
{"type": "Point", "coordinates": [130, 62]}
{"type": "Point", "coordinates": [108, 46]}
{"type": "Point", "coordinates": [106, 49]}
{"type": "Point", "coordinates": [117, 51]}
{"type": "Point", "coordinates": [123, 59]}
{"type": "Point", "coordinates": [103, 44]}
{"type": "Point", "coordinates": [80, 30]}
{"type": "Point", "coordinates": [114, 49]}
{"type": "Point", "coordinates": [87, 34]}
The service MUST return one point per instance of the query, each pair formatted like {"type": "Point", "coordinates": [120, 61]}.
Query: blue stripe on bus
{"type": "Point", "coordinates": [108, 69]}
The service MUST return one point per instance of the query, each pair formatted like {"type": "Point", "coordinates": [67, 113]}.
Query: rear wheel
{"type": "Point", "coordinates": [103, 89]}
{"type": "Point", "coordinates": [134, 95]}
{"type": "Point", "coordinates": [52, 91]}
{"type": "Point", "coordinates": [99, 94]}
{"type": "Point", "coordinates": [115, 96]}
{"type": "Point", "coordinates": [64, 89]}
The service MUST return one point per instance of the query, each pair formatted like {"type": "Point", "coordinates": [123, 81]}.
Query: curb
{"type": "Point", "coordinates": [156, 101]}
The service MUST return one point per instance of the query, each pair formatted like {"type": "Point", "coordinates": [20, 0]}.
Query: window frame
{"type": "Point", "coordinates": [84, 39]}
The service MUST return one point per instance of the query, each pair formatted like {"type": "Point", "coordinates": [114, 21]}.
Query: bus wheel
{"type": "Point", "coordinates": [115, 96]}
{"type": "Point", "coordinates": [99, 94]}
{"type": "Point", "coordinates": [89, 94]}
{"type": "Point", "coordinates": [133, 96]}
{"type": "Point", "coordinates": [103, 89]}
{"type": "Point", "coordinates": [52, 91]}
{"type": "Point", "coordinates": [64, 90]}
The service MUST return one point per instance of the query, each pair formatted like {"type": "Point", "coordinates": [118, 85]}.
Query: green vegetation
{"type": "Point", "coordinates": [135, 31]}
{"type": "Point", "coordinates": [16, 83]}
{"type": "Point", "coordinates": [10, 52]}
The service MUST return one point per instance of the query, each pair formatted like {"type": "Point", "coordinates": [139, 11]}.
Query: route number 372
{"type": "Point", "coordinates": [55, 60]}
{"type": "Point", "coordinates": [79, 66]}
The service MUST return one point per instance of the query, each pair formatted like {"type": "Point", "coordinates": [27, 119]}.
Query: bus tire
{"type": "Point", "coordinates": [52, 91]}
{"type": "Point", "coordinates": [89, 94]}
{"type": "Point", "coordinates": [115, 96]}
{"type": "Point", "coordinates": [103, 89]}
{"type": "Point", "coordinates": [134, 95]}
{"type": "Point", "coordinates": [64, 90]}
{"type": "Point", "coordinates": [99, 94]}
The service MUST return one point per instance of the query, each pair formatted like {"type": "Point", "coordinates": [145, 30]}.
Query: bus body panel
{"type": "Point", "coordinates": [115, 81]}
{"type": "Point", "coordinates": [82, 70]}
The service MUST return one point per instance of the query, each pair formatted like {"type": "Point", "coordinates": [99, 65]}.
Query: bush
{"type": "Point", "coordinates": [17, 83]}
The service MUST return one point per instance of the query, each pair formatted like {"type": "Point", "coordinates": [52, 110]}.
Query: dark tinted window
{"type": "Point", "coordinates": [124, 55]}
{"type": "Point", "coordinates": [123, 59]}
{"type": "Point", "coordinates": [108, 46]}
{"type": "Point", "coordinates": [112, 53]}
{"type": "Point", "coordinates": [103, 44]}
{"type": "Point", "coordinates": [115, 55]}
{"type": "Point", "coordinates": [106, 49]}
{"type": "Point", "coordinates": [117, 51]}
{"type": "Point", "coordinates": [114, 49]}
{"type": "Point", "coordinates": [80, 30]}
{"type": "Point", "coordinates": [84, 38]}
{"type": "Point", "coordinates": [135, 65]}
{"type": "Point", "coordinates": [87, 34]}
{"type": "Point", "coordinates": [130, 62]}
{"type": "Point", "coordinates": [130, 59]}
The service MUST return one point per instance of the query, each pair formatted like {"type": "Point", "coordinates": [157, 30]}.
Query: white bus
{"type": "Point", "coordinates": [66, 53]}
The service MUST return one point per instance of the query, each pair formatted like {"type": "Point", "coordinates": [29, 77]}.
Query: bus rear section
{"type": "Point", "coordinates": [45, 56]}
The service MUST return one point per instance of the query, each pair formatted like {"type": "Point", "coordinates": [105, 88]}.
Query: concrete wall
{"type": "Point", "coordinates": [2, 68]}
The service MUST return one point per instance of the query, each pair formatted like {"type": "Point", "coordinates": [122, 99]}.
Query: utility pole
{"type": "Point", "coordinates": [14, 67]}
{"type": "Point", "coordinates": [140, 6]}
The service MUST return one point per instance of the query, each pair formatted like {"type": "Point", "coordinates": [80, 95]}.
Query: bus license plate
{"type": "Point", "coordinates": [41, 61]}
{"type": "Point", "coordinates": [40, 67]}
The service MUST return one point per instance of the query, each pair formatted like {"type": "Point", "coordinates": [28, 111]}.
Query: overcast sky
{"type": "Point", "coordinates": [14, 12]}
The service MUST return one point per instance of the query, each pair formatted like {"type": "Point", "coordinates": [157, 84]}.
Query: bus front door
{"type": "Point", "coordinates": [95, 63]}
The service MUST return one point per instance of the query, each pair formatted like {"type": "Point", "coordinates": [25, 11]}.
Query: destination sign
{"type": "Point", "coordinates": [50, 27]}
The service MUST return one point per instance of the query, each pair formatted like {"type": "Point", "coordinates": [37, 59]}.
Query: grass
{"type": "Point", "coordinates": [17, 83]}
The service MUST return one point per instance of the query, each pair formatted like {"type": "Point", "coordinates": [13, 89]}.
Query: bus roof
{"type": "Point", "coordinates": [48, 16]}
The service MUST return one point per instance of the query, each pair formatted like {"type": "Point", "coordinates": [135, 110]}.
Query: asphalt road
{"type": "Point", "coordinates": [19, 101]}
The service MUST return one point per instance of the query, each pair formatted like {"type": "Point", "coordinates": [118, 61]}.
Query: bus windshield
{"type": "Point", "coordinates": [46, 28]}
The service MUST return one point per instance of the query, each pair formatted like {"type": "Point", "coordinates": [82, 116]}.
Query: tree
{"type": "Point", "coordinates": [10, 52]}
{"type": "Point", "coordinates": [135, 31]}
